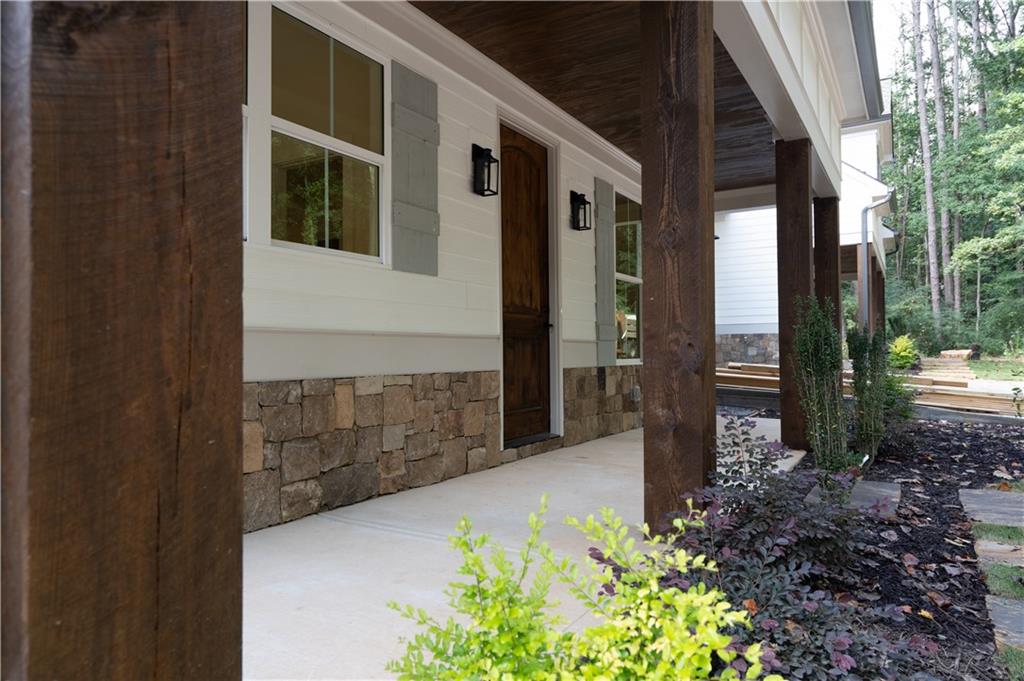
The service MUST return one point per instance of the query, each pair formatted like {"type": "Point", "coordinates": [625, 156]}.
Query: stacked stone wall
{"type": "Point", "coordinates": [747, 348]}
{"type": "Point", "coordinates": [318, 444]}
{"type": "Point", "coordinates": [601, 401]}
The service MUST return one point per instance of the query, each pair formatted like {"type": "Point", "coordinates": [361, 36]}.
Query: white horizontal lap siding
{"type": "Point", "coordinates": [746, 275]}
{"type": "Point", "coordinates": [290, 289]}
{"type": "Point", "coordinates": [305, 293]}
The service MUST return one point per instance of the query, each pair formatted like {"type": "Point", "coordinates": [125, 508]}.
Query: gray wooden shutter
{"type": "Point", "coordinates": [604, 246]}
{"type": "Point", "coordinates": [415, 223]}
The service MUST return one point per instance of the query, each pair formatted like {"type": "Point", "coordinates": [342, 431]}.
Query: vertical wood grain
{"type": "Point", "coordinates": [826, 255]}
{"type": "Point", "coordinates": [793, 216]}
{"type": "Point", "coordinates": [677, 156]}
{"type": "Point", "coordinates": [122, 313]}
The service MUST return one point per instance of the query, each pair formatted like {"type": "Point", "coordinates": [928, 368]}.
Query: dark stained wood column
{"type": "Point", "coordinates": [878, 296]}
{"type": "Point", "coordinates": [826, 255]}
{"type": "Point", "coordinates": [677, 99]}
{"type": "Point", "coordinates": [793, 217]}
{"type": "Point", "coordinates": [122, 352]}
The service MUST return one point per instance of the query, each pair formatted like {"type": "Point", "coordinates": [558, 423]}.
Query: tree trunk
{"type": "Point", "coordinates": [956, 138]}
{"type": "Point", "coordinates": [977, 302]}
{"type": "Point", "coordinates": [940, 130]}
{"type": "Point", "coordinates": [975, 48]}
{"type": "Point", "coordinates": [926, 155]}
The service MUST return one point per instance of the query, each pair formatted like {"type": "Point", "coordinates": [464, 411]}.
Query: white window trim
{"type": "Point", "coordinates": [632, 280]}
{"type": "Point", "coordinates": [260, 123]}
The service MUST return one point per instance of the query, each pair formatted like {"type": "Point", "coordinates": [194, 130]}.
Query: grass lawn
{"type": "Point", "coordinates": [1004, 534]}
{"type": "Point", "coordinates": [1013, 659]}
{"type": "Point", "coordinates": [998, 369]}
{"type": "Point", "coordinates": [1005, 580]}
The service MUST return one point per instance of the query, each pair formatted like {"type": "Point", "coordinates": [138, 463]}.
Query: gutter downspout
{"type": "Point", "coordinates": [865, 287]}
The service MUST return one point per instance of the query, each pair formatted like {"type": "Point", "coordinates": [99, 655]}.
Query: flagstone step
{"type": "Point", "coordinates": [1007, 619]}
{"type": "Point", "coordinates": [993, 506]}
{"type": "Point", "coordinates": [869, 494]}
{"type": "Point", "coordinates": [995, 552]}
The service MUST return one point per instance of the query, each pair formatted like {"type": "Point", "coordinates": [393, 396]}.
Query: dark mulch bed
{"type": "Point", "coordinates": [923, 560]}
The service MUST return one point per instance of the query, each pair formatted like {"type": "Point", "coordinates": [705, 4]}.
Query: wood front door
{"type": "Point", "coordinates": [524, 285]}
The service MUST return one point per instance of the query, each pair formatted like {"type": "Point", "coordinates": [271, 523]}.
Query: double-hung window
{"type": "Point", "coordinates": [628, 278]}
{"type": "Point", "coordinates": [327, 141]}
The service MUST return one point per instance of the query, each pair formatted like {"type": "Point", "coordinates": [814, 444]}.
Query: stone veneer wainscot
{"type": "Point", "coordinates": [747, 348]}
{"type": "Point", "coordinates": [318, 444]}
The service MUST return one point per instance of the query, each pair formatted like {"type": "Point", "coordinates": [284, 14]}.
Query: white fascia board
{"type": "Point", "coordinates": [752, 37]}
{"type": "Point", "coordinates": [834, 22]}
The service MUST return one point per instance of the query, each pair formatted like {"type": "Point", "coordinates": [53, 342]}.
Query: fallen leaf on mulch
{"type": "Point", "coordinates": [1003, 473]}
{"type": "Point", "coordinates": [909, 561]}
{"type": "Point", "coordinates": [751, 605]}
{"type": "Point", "coordinates": [939, 599]}
{"type": "Point", "coordinates": [890, 535]}
{"type": "Point", "coordinates": [925, 614]}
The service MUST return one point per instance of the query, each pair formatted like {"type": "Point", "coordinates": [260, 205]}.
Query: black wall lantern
{"type": "Point", "coordinates": [485, 172]}
{"type": "Point", "coordinates": [579, 211]}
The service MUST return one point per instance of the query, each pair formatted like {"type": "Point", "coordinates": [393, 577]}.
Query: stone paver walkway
{"type": "Point", "coordinates": [870, 495]}
{"type": "Point", "coordinates": [999, 508]}
{"type": "Point", "coordinates": [994, 552]}
{"type": "Point", "coordinates": [993, 506]}
{"type": "Point", "coordinates": [1007, 619]}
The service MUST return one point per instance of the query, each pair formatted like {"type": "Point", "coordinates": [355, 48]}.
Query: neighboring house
{"type": "Point", "coordinates": [401, 327]}
{"type": "Point", "coordinates": [746, 291]}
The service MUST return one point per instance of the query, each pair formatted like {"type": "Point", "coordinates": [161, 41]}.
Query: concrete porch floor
{"type": "Point", "coordinates": [315, 590]}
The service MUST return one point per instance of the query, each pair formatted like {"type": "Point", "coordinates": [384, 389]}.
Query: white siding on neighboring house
{"type": "Point", "coordinates": [746, 278]}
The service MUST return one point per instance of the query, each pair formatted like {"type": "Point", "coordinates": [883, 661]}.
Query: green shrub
{"type": "Point", "coordinates": [899, 405]}
{"type": "Point", "coordinates": [903, 353]}
{"type": "Point", "coordinates": [648, 629]}
{"type": "Point", "coordinates": [509, 633]}
{"type": "Point", "coordinates": [868, 356]}
{"type": "Point", "coordinates": [819, 365]}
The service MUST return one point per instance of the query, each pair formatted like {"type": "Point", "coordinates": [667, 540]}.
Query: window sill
{"type": "Point", "coordinates": [629, 362]}
{"type": "Point", "coordinates": [344, 256]}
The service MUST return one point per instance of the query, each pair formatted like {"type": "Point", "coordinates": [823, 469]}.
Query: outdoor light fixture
{"type": "Point", "coordinates": [579, 211]}
{"type": "Point", "coordinates": [485, 172]}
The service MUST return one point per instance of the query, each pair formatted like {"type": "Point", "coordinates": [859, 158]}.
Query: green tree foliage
{"type": "Point", "coordinates": [980, 180]}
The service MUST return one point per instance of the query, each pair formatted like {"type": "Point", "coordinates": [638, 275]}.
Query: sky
{"type": "Point", "coordinates": [887, 34]}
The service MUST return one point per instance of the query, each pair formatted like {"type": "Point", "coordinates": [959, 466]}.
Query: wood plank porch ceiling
{"type": "Point", "coordinates": [585, 57]}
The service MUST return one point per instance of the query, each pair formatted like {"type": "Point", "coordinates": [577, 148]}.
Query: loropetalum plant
{"type": "Point", "coordinates": [870, 359]}
{"type": "Point", "coordinates": [818, 357]}
{"type": "Point", "coordinates": [650, 627]}
{"type": "Point", "coordinates": [775, 553]}
{"type": "Point", "coordinates": [745, 458]}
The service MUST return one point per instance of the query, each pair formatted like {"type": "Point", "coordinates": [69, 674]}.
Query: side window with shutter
{"type": "Point", "coordinates": [604, 245]}
{"type": "Point", "coordinates": [415, 136]}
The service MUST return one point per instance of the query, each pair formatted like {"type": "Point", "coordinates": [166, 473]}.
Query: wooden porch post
{"type": "Point", "coordinates": [122, 352]}
{"type": "Point", "coordinates": [826, 255]}
{"type": "Point", "coordinates": [677, 155]}
{"type": "Point", "coordinates": [793, 217]}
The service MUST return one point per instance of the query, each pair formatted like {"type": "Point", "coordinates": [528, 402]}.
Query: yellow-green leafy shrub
{"type": "Point", "coordinates": [903, 353]}
{"type": "Point", "coordinates": [647, 628]}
